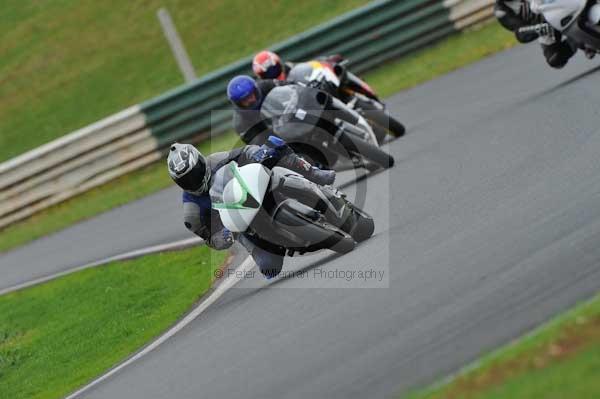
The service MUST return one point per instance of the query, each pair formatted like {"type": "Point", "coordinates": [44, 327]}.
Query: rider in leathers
{"type": "Point", "coordinates": [247, 119]}
{"type": "Point", "coordinates": [515, 14]}
{"type": "Point", "coordinates": [193, 173]}
{"type": "Point", "coordinates": [268, 65]}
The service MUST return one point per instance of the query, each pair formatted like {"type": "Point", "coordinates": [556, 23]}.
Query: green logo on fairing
{"type": "Point", "coordinates": [247, 201]}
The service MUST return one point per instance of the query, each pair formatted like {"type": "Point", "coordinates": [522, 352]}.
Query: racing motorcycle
{"type": "Point", "coordinates": [578, 20]}
{"type": "Point", "coordinates": [322, 129]}
{"type": "Point", "coordinates": [355, 93]}
{"type": "Point", "coordinates": [286, 210]}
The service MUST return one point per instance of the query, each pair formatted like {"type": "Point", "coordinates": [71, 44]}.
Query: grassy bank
{"type": "Point", "coordinates": [560, 360]}
{"type": "Point", "coordinates": [57, 336]}
{"type": "Point", "coordinates": [65, 63]}
{"type": "Point", "coordinates": [445, 56]}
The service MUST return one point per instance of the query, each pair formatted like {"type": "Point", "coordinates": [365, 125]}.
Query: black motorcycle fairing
{"type": "Point", "coordinates": [328, 201]}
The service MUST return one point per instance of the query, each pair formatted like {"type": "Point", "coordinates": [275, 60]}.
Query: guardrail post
{"type": "Point", "coordinates": [181, 56]}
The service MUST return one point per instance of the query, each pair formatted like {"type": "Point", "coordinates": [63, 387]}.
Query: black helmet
{"type": "Point", "coordinates": [187, 168]}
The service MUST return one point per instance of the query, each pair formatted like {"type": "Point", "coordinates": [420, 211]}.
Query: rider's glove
{"type": "Point", "coordinates": [274, 148]}
{"type": "Point", "coordinates": [227, 236]}
{"type": "Point", "coordinates": [277, 143]}
{"type": "Point", "coordinates": [221, 240]}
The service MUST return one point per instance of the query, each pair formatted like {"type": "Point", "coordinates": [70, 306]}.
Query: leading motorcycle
{"type": "Point", "coordinates": [578, 20]}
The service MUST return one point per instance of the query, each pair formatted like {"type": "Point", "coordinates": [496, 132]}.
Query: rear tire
{"type": "Point", "coordinates": [387, 121]}
{"type": "Point", "coordinates": [381, 119]}
{"type": "Point", "coordinates": [379, 131]}
{"type": "Point", "coordinates": [396, 127]}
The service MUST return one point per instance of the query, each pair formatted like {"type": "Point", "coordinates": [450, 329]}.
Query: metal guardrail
{"type": "Point", "coordinates": [133, 138]}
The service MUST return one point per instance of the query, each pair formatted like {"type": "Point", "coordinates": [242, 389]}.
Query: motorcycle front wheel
{"type": "Point", "coordinates": [363, 149]}
{"type": "Point", "coordinates": [362, 226]}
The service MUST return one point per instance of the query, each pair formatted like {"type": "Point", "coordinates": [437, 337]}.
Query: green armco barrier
{"type": "Point", "coordinates": [379, 31]}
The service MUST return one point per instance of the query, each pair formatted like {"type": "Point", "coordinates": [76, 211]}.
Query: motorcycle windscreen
{"type": "Point", "coordinates": [237, 194]}
{"type": "Point", "coordinates": [293, 110]}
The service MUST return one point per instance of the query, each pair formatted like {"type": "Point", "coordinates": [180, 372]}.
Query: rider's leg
{"type": "Point", "coordinates": [268, 263]}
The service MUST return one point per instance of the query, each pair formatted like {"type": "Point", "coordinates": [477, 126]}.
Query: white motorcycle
{"type": "Point", "coordinates": [578, 20]}
{"type": "Point", "coordinates": [286, 211]}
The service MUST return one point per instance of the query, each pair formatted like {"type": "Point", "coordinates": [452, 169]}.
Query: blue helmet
{"type": "Point", "coordinates": [244, 92]}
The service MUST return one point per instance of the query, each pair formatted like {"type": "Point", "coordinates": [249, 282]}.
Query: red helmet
{"type": "Point", "coordinates": [268, 65]}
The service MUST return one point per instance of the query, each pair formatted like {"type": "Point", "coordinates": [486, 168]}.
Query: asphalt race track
{"type": "Point", "coordinates": [488, 225]}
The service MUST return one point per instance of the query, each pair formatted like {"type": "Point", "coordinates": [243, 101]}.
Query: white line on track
{"type": "Point", "coordinates": [189, 242]}
{"type": "Point", "coordinates": [221, 289]}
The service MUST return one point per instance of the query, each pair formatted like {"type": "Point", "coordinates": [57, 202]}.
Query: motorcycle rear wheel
{"type": "Point", "coordinates": [384, 119]}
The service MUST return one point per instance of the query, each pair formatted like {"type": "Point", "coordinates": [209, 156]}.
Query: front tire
{"type": "Point", "coordinates": [363, 228]}
{"type": "Point", "coordinates": [367, 151]}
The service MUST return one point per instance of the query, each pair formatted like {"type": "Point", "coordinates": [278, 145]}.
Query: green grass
{"type": "Point", "coordinates": [67, 63]}
{"type": "Point", "coordinates": [108, 196]}
{"type": "Point", "coordinates": [445, 56]}
{"type": "Point", "coordinates": [560, 360]}
{"type": "Point", "coordinates": [56, 337]}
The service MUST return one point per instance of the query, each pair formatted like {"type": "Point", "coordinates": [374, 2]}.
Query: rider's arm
{"type": "Point", "coordinates": [220, 238]}
{"type": "Point", "coordinates": [204, 222]}
{"type": "Point", "coordinates": [266, 85]}
{"type": "Point", "coordinates": [249, 125]}
{"type": "Point", "coordinates": [276, 152]}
